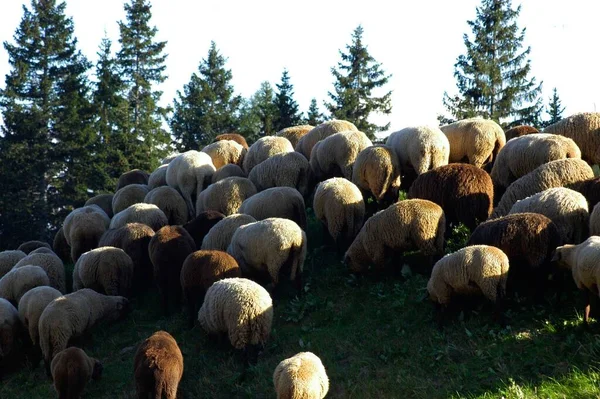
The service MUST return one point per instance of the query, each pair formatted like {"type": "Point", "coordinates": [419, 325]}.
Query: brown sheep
{"type": "Point", "coordinates": [238, 138]}
{"type": "Point", "coordinates": [519, 131]}
{"type": "Point", "coordinates": [29, 246]}
{"type": "Point", "coordinates": [294, 133]}
{"type": "Point", "coordinates": [71, 371]}
{"type": "Point", "coordinates": [168, 249]}
{"type": "Point", "coordinates": [104, 201]}
{"type": "Point", "coordinates": [135, 176]}
{"type": "Point", "coordinates": [320, 132]}
{"type": "Point", "coordinates": [465, 192]}
{"type": "Point", "coordinates": [199, 226]}
{"type": "Point", "coordinates": [61, 247]}
{"type": "Point", "coordinates": [590, 189]}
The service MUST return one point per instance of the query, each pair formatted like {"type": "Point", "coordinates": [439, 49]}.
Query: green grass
{"type": "Point", "coordinates": [376, 339]}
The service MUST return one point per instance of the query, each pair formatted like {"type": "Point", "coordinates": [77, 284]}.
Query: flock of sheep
{"type": "Point", "coordinates": [221, 228]}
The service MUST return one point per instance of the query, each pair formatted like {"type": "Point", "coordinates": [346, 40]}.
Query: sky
{"type": "Point", "coordinates": [417, 42]}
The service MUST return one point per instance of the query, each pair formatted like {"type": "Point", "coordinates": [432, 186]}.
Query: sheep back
{"type": "Point", "coordinates": [290, 169]}
{"type": "Point", "coordinates": [294, 133]}
{"type": "Point", "coordinates": [51, 264]}
{"type": "Point", "coordinates": [129, 195]}
{"type": "Point", "coordinates": [31, 306]}
{"type": "Point", "coordinates": [335, 155]}
{"type": "Point", "coordinates": [264, 148]}
{"type": "Point", "coordinates": [584, 129]}
{"type": "Point", "coordinates": [71, 369]}
{"type": "Point", "coordinates": [135, 176]}
{"type": "Point", "coordinates": [108, 270]}
{"type": "Point", "coordinates": [519, 131]}
{"type": "Point", "coordinates": [301, 376]}
{"type": "Point", "coordinates": [238, 138]}
{"type": "Point", "coordinates": [104, 201]}
{"type": "Point", "coordinates": [229, 170]}
{"type": "Point", "coordinates": [419, 148]}
{"type": "Point", "coordinates": [320, 132]}
{"type": "Point", "coordinates": [15, 283]}
{"type": "Point", "coordinates": [168, 200]}
{"type": "Point", "coordinates": [225, 196]}
{"type": "Point", "coordinates": [8, 259]}
{"type": "Point", "coordinates": [148, 214]}
{"type": "Point", "coordinates": [83, 228]}
{"type": "Point", "coordinates": [280, 202]}
{"type": "Point", "coordinates": [478, 140]}
{"type": "Point", "coordinates": [219, 236]}
{"type": "Point", "coordinates": [225, 152]}
{"type": "Point", "coordinates": [158, 178]}
{"type": "Point", "coordinates": [377, 170]}
{"type": "Point", "coordinates": [29, 246]}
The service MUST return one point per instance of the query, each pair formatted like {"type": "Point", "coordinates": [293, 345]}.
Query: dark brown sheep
{"type": "Point", "coordinates": [529, 240]}
{"type": "Point", "coordinates": [168, 249]}
{"type": "Point", "coordinates": [135, 176]}
{"type": "Point", "coordinates": [61, 247]}
{"type": "Point", "coordinates": [465, 192]}
{"type": "Point", "coordinates": [238, 138]}
{"type": "Point", "coordinates": [104, 201]}
{"type": "Point", "coordinates": [133, 238]}
{"type": "Point", "coordinates": [200, 226]}
{"type": "Point", "coordinates": [158, 367]}
{"type": "Point", "coordinates": [200, 270]}
{"type": "Point", "coordinates": [590, 190]}
{"type": "Point", "coordinates": [71, 371]}
{"type": "Point", "coordinates": [29, 246]}
{"type": "Point", "coordinates": [519, 131]}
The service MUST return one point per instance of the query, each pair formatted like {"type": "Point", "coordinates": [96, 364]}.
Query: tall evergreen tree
{"type": "Point", "coordinates": [258, 114]}
{"type": "Point", "coordinates": [287, 107]}
{"type": "Point", "coordinates": [142, 64]}
{"type": "Point", "coordinates": [314, 116]}
{"type": "Point", "coordinates": [356, 76]}
{"type": "Point", "coordinates": [208, 105]}
{"type": "Point", "coordinates": [493, 76]}
{"type": "Point", "coordinates": [555, 109]}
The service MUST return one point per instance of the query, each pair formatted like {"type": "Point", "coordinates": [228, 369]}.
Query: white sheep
{"type": "Point", "coordinates": [420, 148]}
{"type": "Point", "coordinates": [301, 376]}
{"type": "Point", "coordinates": [219, 236]}
{"type": "Point", "coordinates": [476, 140]}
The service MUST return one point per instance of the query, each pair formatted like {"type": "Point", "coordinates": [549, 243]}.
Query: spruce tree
{"type": "Point", "coordinates": [142, 64]}
{"type": "Point", "coordinates": [258, 114]}
{"type": "Point", "coordinates": [555, 109]}
{"type": "Point", "coordinates": [493, 76]}
{"type": "Point", "coordinates": [287, 107]}
{"type": "Point", "coordinates": [207, 107]}
{"type": "Point", "coordinates": [356, 76]}
{"type": "Point", "coordinates": [314, 117]}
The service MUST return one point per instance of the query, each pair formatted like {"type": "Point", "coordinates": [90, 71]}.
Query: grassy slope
{"type": "Point", "coordinates": [376, 339]}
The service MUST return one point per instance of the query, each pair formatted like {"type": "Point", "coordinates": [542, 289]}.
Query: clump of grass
{"type": "Point", "coordinates": [458, 238]}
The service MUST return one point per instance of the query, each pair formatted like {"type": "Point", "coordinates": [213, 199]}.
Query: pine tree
{"type": "Point", "coordinates": [142, 64]}
{"type": "Point", "coordinates": [555, 109]}
{"type": "Point", "coordinates": [355, 79]}
{"type": "Point", "coordinates": [208, 105]}
{"type": "Point", "coordinates": [287, 107]}
{"type": "Point", "coordinates": [492, 77]}
{"type": "Point", "coordinates": [258, 114]}
{"type": "Point", "coordinates": [314, 117]}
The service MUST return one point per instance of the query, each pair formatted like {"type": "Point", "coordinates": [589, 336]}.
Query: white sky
{"type": "Point", "coordinates": [416, 41]}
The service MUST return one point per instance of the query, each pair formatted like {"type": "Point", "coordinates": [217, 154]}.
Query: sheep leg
{"type": "Point", "coordinates": [586, 310]}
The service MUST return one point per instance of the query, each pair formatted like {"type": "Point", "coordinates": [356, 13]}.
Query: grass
{"type": "Point", "coordinates": [376, 339]}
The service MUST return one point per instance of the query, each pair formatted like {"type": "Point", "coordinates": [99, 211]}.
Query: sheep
{"type": "Point", "coordinates": [264, 148]}
{"type": "Point", "coordinates": [189, 174]}
{"type": "Point", "coordinates": [108, 270]}
{"type": "Point", "coordinates": [335, 155]}
{"type": "Point", "coordinates": [104, 201]}
{"type": "Point", "coordinates": [29, 246]}
{"type": "Point", "coordinates": [199, 271]}
{"type": "Point", "coordinates": [243, 310]}
{"type": "Point", "coordinates": [133, 238]}
{"type": "Point", "coordinates": [51, 264]}
{"type": "Point", "coordinates": [560, 173]}
{"type": "Point", "coordinates": [31, 306]}
{"type": "Point", "coordinates": [584, 129]}
{"type": "Point", "coordinates": [148, 214]}
{"type": "Point", "coordinates": [158, 366]}
{"type": "Point", "coordinates": [519, 131]}
{"type": "Point", "coordinates": [339, 205]}
{"type": "Point", "coordinates": [290, 169]}
{"type": "Point", "coordinates": [307, 142]}
{"type": "Point", "coordinates": [478, 140]}
{"type": "Point", "coordinates": [281, 202]}
{"type": "Point", "coordinates": [301, 376]}
{"type": "Point", "coordinates": [168, 249]}
{"type": "Point", "coordinates": [15, 283]}
{"type": "Point", "coordinates": [225, 196]}
{"type": "Point", "coordinates": [272, 246]}
{"type": "Point", "coordinates": [202, 224]}
{"type": "Point", "coordinates": [72, 315]}
{"type": "Point", "coordinates": [409, 224]}
{"type": "Point", "coordinates": [219, 236]}
{"type": "Point", "coordinates": [523, 154]}
{"type": "Point", "coordinates": [528, 239]}
{"type": "Point", "coordinates": [135, 176]}
{"type": "Point", "coordinates": [377, 171]}
{"type": "Point", "coordinates": [477, 269]}
{"type": "Point", "coordinates": [594, 226]}
{"type": "Point", "coordinates": [8, 259]}
{"type": "Point", "coordinates": [294, 133]}
{"type": "Point", "coordinates": [567, 208]}
{"type": "Point", "coordinates": [229, 170]}
{"type": "Point", "coordinates": [167, 160]}
{"type": "Point", "coordinates": [225, 152]}
{"type": "Point", "coordinates": [43, 250]}
{"type": "Point", "coordinates": [71, 370]}
{"type": "Point", "coordinates": [158, 178]}
{"type": "Point", "coordinates": [83, 228]}
{"type": "Point", "coordinates": [129, 195]}
{"type": "Point", "coordinates": [10, 329]}
{"type": "Point", "coordinates": [168, 200]}
{"type": "Point", "coordinates": [465, 192]}
{"type": "Point", "coordinates": [238, 138]}
{"type": "Point", "coordinates": [590, 189]}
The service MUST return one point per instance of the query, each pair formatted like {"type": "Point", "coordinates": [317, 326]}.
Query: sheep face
{"type": "Point", "coordinates": [121, 309]}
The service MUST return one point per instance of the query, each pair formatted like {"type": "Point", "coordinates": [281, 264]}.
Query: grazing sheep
{"type": "Point", "coordinates": [560, 173]}
{"type": "Point", "coordinates": [219, 236]}
{"type": "Point", "coordinates": [51, 264]}
{"type": "Point", "coordinates": [294, 133]}
{"type": "Point", "coordinates": [568, 210]}
{"type": "Point", "coordinates": [168, 200]}
{"type": "Point", "coordinates": [29, 246]}
{"type": "Point", "coordinates": [72, 315]}
{"type": "Point", "coordinates": [31, 306]}
{"type": "Point", "coordinates": [189, 173]}
{"type": "Point", "coordinates": [478, 269]}
{"type": "Point", "coordinates": [264, 148]}
{"type": "Point", "coordinates": [335, 156]}
{"type": "Point", "coordinates": [410, 224]}
{"type": "Point", "coordinates": [167, 160]}
{"type": "Point", "coordinates": [8, 259]}
{"type": "Point", "coordinates": [202, 224]}
{"type": "Point", "coordinates": [595, 221]}
{"type": "Point", "coordinates": [10, 329]}
{"type": "Point", "coordinates": [225, 152]}
{"type": "Point", "coordinates": [280, 202]}
{"type": "Point", "coordinates": [590, 189]}
{"type": "Point", "coordinates": [129, 195]}
{"type": "Point", "coordinates": [158, 366]}
{"type": "Point", "coordinates": [17, 282]}
{"type": "Point", "coordinates": [43, 250]}
{"type": "Point", "coordinates": [200, 270]}
{"type": "Point", "coordinates": [519, 131]}
{"type": "Point", "coordinates": [523, 154]}
{"type": "Point", "coordinates": [584, 129]}
{"type": "Point", "coordinates": [168, 249]}
{"type": "Point", "coordinates": [377, 171]}
{"type": "Point", "coordinates": [71, 369]}
{"type": "Point", "coordinates": [320, 132]}
{"type": "Point", "coordinates": [225, 196]}
{"type": "Point", "coordinates": [148, 214]}
{"type": "Point", "coordinates": [238, 138]}
{"type": "Point", "coordinates": [475, 140]}
{"type": "Point", "coordinates": [83, 228]}
{"type": "Point", "coordinates": [339, 205]}
{"type": "Point", "coordinates": [243, 310]}
{"type": "Point", "coordinates": [104, 201]}
{"type": "Point", "coordinates": [107, 270]}
{"type": "Point", "coordinates": [158, 178]}
{"type": "Point", "coordinates": [229, 170]}
{"type": "Point", "coordinates": [301, 376]}
{"type": "Point", "coordinates": [135, 176]}
{"type": "Point", "coordinates": [283, 170]}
